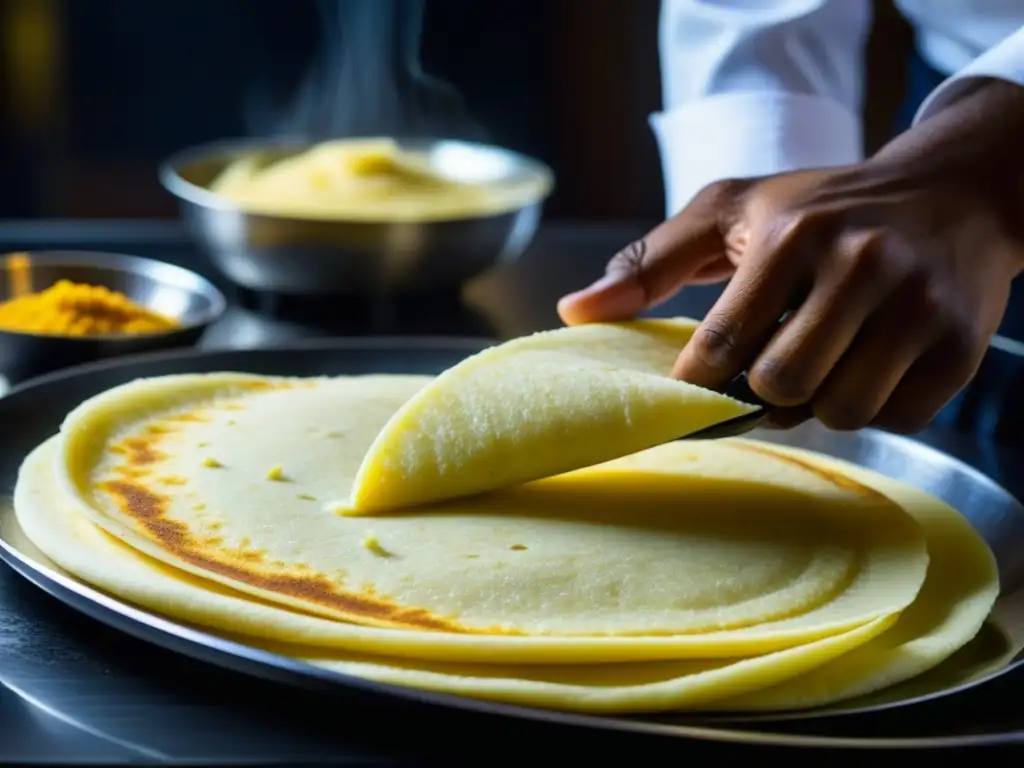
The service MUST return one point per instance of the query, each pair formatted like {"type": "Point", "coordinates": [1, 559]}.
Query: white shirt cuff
{"type": "Point", "coordinates": [737, 135]}
{"type": "Point", "coordinates": [1004, 61]}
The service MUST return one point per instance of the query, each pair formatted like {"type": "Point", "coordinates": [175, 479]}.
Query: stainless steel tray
{"type": "Point", "coordinates": [993, 511]}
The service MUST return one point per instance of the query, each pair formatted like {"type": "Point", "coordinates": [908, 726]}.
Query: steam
{"type": "Point", "coordinates": [366, 80]}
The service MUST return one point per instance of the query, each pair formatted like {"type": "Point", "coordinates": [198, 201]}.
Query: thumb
{"type": "Point", "coordinates": [649, 271]}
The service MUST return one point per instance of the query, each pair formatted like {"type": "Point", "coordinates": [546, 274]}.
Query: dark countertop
{"type": "Point", "coordinates": [73, 691]}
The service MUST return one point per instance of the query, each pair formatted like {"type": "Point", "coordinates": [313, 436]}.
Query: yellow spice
{"type": "Point", "coordinates": [74, 309]}
{"type": "Point", "coordinates": [19, 274]}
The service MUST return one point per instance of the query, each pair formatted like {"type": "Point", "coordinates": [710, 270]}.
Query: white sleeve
{"type": "Point", "coordinates": [1004, 61]}
{"type": "Point", "coordinates": [752, 87]}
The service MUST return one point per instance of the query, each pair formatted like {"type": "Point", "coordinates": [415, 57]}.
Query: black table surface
{"type": "Point", "coordinates": [73, 691]}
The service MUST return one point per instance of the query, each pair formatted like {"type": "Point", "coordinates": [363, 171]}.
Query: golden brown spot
{"type": "Point", "coordinates": [251, 555]}
{"type": "Point", "coordinates": [140, 502]}
{"type": "Point", "coordinates": [159, 429]}
{"type": "Point", "coordinates": [194, 417]}
{"type": "Point", "coordinates": [198, 507]}
{"type": "Point", "coordinates": [173, 480]}
{"type": "Point", "coordinates": [213, 541]}
{"type": "Point", "coordinates": [212, 463]}
{"type": "Point", "coordinates": [517, 547]}
{"type": "Point", "coordinates": [132, 473]}
{"type": "Point", "coordinates": [120, 450]}
{"type": "Point", "coordinates": [141, 451]}
{"type": "Point", "coordinates": [148, 509]}
{"type": "Point", "coordinates": [233, 407]}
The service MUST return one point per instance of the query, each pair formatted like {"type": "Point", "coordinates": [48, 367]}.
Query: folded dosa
{"type": "Point", "coordinates": [538, 406]}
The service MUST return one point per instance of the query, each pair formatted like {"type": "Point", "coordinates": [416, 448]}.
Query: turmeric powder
{"type": "Point", "coordinates": [19, 272]}
{"type": "Point", "coordinates": [74, 309]}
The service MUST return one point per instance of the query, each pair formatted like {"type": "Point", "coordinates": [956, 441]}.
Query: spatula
{"type": "Point", "coordinates": [739, 389]}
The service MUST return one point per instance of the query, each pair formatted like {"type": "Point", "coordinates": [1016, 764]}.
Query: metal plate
{"type": "Point", "coordinates": [38, 408]}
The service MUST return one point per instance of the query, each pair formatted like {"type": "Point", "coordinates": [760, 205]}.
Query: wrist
{"type": "Point", "coordinates": [972, 146]}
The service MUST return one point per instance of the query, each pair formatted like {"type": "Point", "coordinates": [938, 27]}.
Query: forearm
{"type": "Point", "coordinates": [975, 144]}
{"type": "Point", "coordinates": [969, 133]}
{"type": "Point", "coordinates": [980, 129]}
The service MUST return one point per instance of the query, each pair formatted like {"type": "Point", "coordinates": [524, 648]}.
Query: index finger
{"type": "Point", "coordinates": [744, 318]}
{"type": "Point", "coordinates": [684, 249]}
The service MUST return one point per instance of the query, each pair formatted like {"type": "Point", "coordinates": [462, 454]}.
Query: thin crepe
{"type": "Point", "coordinates": [538, 406]}
{"type": "Point", "coordinates": [953, 602]}
{"type": "Point", "coordinates": [957, 596]}
{"type": "Point", "coordinates": [751, 565]}
{"type": "Point", "coordinates": [87, 552]}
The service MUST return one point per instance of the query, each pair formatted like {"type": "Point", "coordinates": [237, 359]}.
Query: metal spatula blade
{"type": "Point", "coordinates": [739, 389]}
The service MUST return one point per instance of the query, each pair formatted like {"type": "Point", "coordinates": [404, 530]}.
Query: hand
{"type": "Point", "coordinates": [895, 273]}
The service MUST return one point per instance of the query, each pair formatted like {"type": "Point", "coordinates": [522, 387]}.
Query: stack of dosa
{"type": "Point", "coordinates": [694, 575]}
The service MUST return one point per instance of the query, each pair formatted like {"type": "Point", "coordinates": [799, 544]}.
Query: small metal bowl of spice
{"type": "Point", "coordinates": [64, 308]}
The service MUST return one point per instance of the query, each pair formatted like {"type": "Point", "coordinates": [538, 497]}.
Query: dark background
{"type": "Point", "coordinates": [96, 92]}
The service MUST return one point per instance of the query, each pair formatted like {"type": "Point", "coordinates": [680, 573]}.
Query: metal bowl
{"type": "Point", "coordinates": [312, 256]}
{"type": "Point", "coordinates": [172, 291]}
